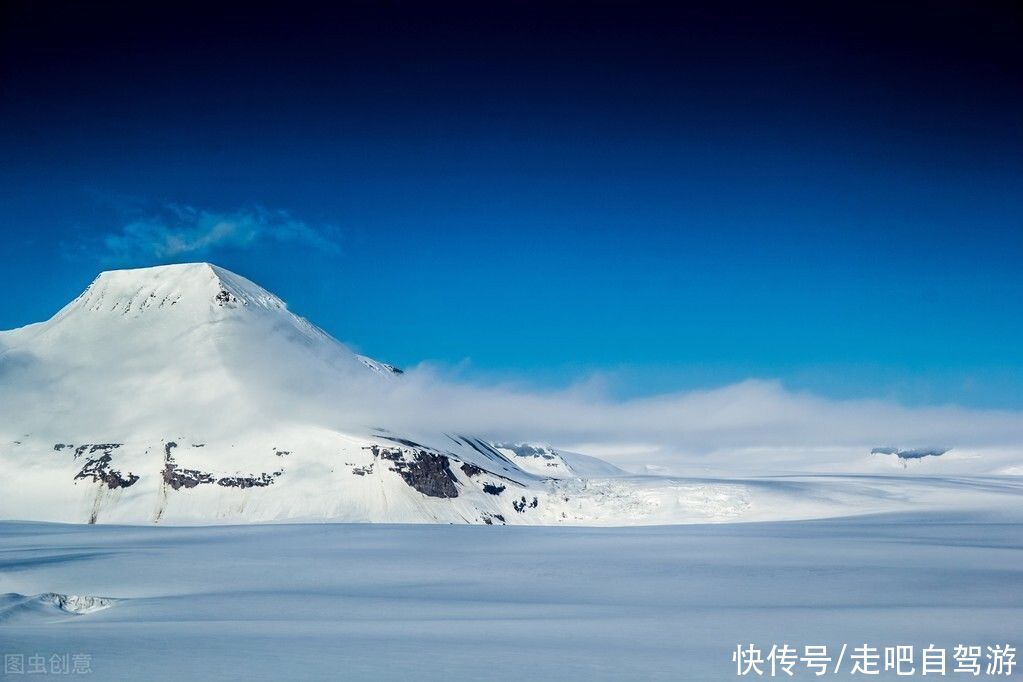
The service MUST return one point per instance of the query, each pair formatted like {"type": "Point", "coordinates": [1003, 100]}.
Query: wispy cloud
{"type": "Point", "coordinates": [167, 231]}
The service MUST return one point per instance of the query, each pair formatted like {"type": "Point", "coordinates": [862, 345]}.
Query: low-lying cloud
{"type": "Point", "coordinates": [716, 429]}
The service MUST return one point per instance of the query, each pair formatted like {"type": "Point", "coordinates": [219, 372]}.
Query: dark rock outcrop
{"type": "Point", "coordinates": [99, 469]}
{"type": "Point", "coordinates": [178, 478]}
{"type": "Point", "coordinates": [88, 448]}
{"type": "Point", "coordinates": [427, 471]}
{"type": "Point", "coordinates": [260, 481]}
{"type": "Point", "coordinates": [225, 297]}
{"type": "Point", "coordinates": [520, 505]}
{"type": "Point", "coordinates": [470, 470]}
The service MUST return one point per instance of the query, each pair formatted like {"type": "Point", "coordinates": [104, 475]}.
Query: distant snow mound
{"type": "Point", "coordinates": [916, 453]}
{"type": "Point", "coordinates": [543, 460]}
{"type": "Point", "coordinates": [77, 603]}
{"type": "Point", "coordinates": [14, 606]}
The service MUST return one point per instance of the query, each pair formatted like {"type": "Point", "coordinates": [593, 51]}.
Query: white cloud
{"type": "Point", "coordinates": [753, 425]}
{"type": "Point", "coordinates": [173, 230]}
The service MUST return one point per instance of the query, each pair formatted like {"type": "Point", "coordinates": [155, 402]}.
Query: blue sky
{"type": "Point", "coordinates": [664, 198]}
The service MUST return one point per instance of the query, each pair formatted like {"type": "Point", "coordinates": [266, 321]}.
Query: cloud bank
{"type": "Point", "coordinates": [171, 231]}
{"type": "Point", "coordinates": [752, 426]}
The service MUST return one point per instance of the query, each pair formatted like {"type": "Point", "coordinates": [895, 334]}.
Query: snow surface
{"type": "Point", "coordinates": [435, 602]}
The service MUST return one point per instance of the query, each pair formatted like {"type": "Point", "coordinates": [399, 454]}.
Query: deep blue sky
{"type": "Point", "coordinates": [830, 195]}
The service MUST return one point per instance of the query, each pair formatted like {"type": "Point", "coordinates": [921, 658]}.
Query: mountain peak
{"type": "Point", "coordinates": [167, 287]}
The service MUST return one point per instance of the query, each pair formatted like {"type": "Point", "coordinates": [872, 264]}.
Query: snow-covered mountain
{"type": "Point", "coordinates": [186, 393]}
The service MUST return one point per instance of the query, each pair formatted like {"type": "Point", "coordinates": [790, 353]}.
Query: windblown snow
{"type": "Point", "coordinates": [188, 394]}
